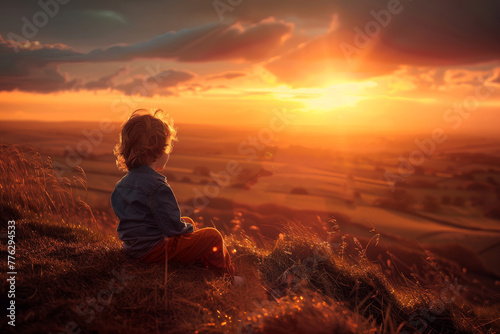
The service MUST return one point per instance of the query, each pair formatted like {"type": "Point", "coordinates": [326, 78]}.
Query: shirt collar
{"type": "Point", "coordinates": [147, 170]}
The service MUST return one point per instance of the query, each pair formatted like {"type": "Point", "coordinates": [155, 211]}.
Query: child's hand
{"type": "Point", "coordinates": [189, 220]}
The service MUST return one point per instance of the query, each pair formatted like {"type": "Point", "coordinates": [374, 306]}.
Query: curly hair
{"type": "Point", "coordinates": [143, 139]}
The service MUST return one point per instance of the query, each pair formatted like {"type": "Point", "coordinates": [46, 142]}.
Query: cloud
{"type": "Point", "coordinates": [41, 80]}
{"type": "Point", "coordinates": [82, 23]}
{"type": "Point", "coordinates": [23, 63]}
{"type": "Point", "coordinates": [105, 81]}
{"type": "Point", "coordinates": [302, 45]}
{"type": "Point", "coordinates": [427, 32]}
{"type": "Point", "coordinates": [162, 83]}
{"type": "Point", "coordinates": [31, 68]}
{"type": "Point", "coordinates": [35, 68]}
{"type": "Point", "coordinates": [226, 75]}
{"type": "Point", "coordinates": [497, 79]}
{"type": "Point", "coordinates": [465, 77]}
{"type": "Point", "coordinates": [196, 88]}
{"type": "Point", "coordinates": [368, 40]}
{"type": "Point", "coordinates": [211, 42]}
{"type": "Point", "coordinates": [105, 15]}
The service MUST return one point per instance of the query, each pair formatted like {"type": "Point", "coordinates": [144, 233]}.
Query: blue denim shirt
{"type": "Point", "coordinates": [147, 209]}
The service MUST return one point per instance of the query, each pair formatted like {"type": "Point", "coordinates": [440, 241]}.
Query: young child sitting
{"type": "Point", "coordinates": [150, 218]}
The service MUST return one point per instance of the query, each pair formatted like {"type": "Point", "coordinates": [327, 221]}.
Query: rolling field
{"type": "Point", "coordinates": [447, 201]}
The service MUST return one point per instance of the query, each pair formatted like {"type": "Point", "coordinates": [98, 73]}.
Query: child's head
{"type": "Point", "coordinates": [145, 136]}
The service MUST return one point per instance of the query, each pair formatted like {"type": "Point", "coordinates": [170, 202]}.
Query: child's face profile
{"type": "Point", "coordinates": [161, 162]}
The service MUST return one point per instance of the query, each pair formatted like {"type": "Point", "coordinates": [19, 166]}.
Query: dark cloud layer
{"type": "Point", "coordinates": [155, 84]}
{"type": "Point", "coordinates": [35, 69]}
{"type": "Point", "coordinates": [367, 38]}
{"type": "Point", "coordinates": [226, 75]}
{"type": "Point", "coordinates": [92, 24]}
{"type": "Point", "coordinates": [375, 38]}
{"type": "Point", "coordinates": [32, 70]}
{"type": "Point", "coordinates": [24, 65]}
{"type": "Point", "coordinates": [427, 30]}
{"type": "Point", "coordinates": [106, 81]}
{"type": "Point", "coordinates": [212, 42]}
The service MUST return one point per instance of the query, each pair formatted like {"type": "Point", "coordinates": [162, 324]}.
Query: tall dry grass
{"type": "Point", "coordinates": [32, 187]}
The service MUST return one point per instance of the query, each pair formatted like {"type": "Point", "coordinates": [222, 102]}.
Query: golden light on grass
{"type": "Point", "coordinates": [36, 188]}
{"type": "Point", "coordinates": [336, 289]}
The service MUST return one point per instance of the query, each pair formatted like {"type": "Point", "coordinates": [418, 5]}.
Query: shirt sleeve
{"type": "Point", "coordinates": [166, 211]}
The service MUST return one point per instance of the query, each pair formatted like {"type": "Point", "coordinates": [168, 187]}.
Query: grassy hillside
{"type": "Point", "coordinates": [72, 278]}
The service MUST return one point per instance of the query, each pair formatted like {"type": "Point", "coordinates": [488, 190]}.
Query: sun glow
{"type": "Point", "coordinates": [337, 95]}
{"type": "Point", "coordinates": [325, 98]}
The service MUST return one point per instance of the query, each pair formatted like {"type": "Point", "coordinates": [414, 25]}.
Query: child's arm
{"type": "Point", "coordinates": [166, 211]}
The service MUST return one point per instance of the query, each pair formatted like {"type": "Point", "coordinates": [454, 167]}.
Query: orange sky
{"type": "Point", "coordinates": [238, 70]}
{"type": "Point", "coordinates": [389, 103]}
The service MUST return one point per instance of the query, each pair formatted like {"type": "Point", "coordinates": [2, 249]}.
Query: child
{"type": "Point", "coordinates": [150, 219]}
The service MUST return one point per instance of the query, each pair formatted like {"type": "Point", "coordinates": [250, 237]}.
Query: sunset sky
{"type": "Point", "coordinates": [353, 65]}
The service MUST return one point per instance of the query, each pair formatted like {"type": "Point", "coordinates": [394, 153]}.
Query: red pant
{"type": "Point", "coordinates": [204, 245]}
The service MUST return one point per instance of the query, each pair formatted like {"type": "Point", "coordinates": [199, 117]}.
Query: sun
{"type": "Point", "coordinates": [337, 95]}
{"type": "Point", "coordinates": [322, 99]}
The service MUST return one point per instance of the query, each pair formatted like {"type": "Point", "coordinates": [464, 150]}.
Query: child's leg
{"type": "Point", "coordinates": [206, 245]}
{"type": "Point", "coordinates": [157, 254]}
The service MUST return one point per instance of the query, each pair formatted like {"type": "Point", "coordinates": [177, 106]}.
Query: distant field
{"type": "Point", "coordinates": [446, 200]}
